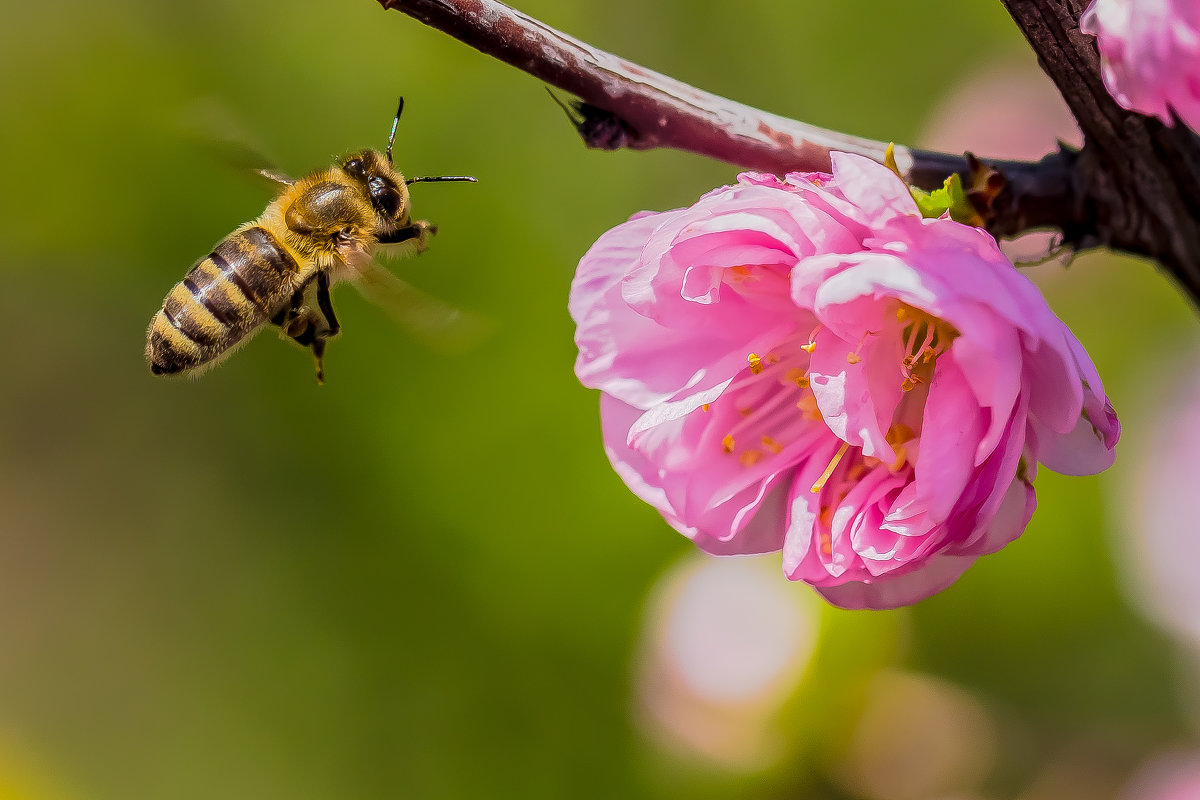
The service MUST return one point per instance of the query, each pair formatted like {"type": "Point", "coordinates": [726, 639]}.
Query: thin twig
{"type": "Point", "coordinates": [656, 110]}
{"type": "Point", "coordinates": [1099, 195]}
{"type": "Point", "coordinates": [1139, 179]}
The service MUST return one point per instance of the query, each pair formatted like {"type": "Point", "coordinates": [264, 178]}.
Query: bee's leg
{"type": "Point", "coordinates": [420, 230]}
{"type": "Point", "coordinates": [318, 348]}
{"type": "Point", "coordinates": [321, 335]}
{"type": "Point", "coordinates": [289, 318]}
{"type": "Point", "coordinates": [325, 303]}
{"type": "Point", "coordinates": [307, 331]}
{"type": "Point", "coordinates": [303, 326]}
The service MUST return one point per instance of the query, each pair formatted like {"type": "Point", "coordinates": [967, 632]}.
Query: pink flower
{"type": "Point", "coordinates": [1150, 54]}
{"type": "Point", "coordinates": [1172, 775]}
{"type": "Point", "coordinates": [807, 365]}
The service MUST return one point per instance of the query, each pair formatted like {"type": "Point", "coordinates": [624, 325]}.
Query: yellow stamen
{"type": "Point", "coordinates": [745, 412]}
{"type": "Point", "coordinates": [812, 340]}
{"type": "Point", "coordinates": [727, 444]}
{"type": "Point", "coordinates": [825, 519]}
{"type": "Point", "coordinates": [854, 358]}
{"type": "Point", "coordinates": [837, 457]}
{"type": "Point", "coordinates": [925, 337]}
{"type": "Point", "coordinates": [808, 404]}
{"type": "Point", "coordinates": [896, 436]}
{"type": "Point", "coordinates": [772, 445]}
{"type": "Point", "coordinates": [756, 365]}
{"type": "Point", "coordinates": [797, 376]}
{"type": "Point", "coordinates": [704, 407]}
{"type": "Point", "coordinates": [826, 544]}
{"type": "Point", "coordinates": [749, 458]}
{"type": "Point", "coordinates": [899, 434]}
{"type": "Point", "coordinates": [889, 160]}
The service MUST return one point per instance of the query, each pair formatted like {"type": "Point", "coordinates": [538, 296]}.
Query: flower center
{"type": "Point", "coordinates": [775, 401]}
{"type": "Point", "coordinates": [925, 337]}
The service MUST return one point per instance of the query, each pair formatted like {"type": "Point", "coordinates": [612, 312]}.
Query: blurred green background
{"type": "Point", "coordinates": [423, 580]}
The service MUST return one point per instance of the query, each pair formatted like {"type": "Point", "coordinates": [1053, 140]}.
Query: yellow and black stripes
{"type": "Point", "coordinates": [244, 282]}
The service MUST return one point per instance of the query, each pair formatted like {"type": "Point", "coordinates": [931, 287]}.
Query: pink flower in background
{"type": "Point", "coordinates": [723, 650]}
{"type": "Point", "coordinates": [1155, 492]}
{"type": "Point", "coordinates": [1150, 54]}
{"type": "Point", "coordinates": [1169, 776]}
{"type": "Point", "coordinates": [807, 365]}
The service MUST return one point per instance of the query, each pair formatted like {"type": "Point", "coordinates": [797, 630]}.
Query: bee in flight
{"type": "Point", "coordinates": [320, 229]}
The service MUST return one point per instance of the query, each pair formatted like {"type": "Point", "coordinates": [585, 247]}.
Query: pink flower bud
{"type": "Point", "coordinates": [1150, 54]}
{"type": "Point", "coordinates": [805, 364]}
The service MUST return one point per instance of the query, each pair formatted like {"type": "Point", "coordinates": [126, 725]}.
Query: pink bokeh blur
{"type": "Point", "coordinates": [1159, 505]}
{"type": "Point", "coordinates": [1170, 776]}
{"type": "Point", "coordinates": [1007, 111]}
{"type": "Point", "coordinates": [725, 644]}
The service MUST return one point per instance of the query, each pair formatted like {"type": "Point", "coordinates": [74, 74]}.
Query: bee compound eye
{"type": "Point", "coordinates": [390, 201]}
{"type": "Point", "coordinates": [385, 198]}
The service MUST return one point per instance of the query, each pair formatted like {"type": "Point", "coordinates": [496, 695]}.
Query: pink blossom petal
{"type": "Point", "coordinates": [954, 425]}
{"type": "Point", "coordinates": [804, 364]}
{"type": "Point", "coordinates": [881, 545]}
{"type": "Point", "coordinates": [829, 283]}
{"type": "Point", "coordinates": [1150, 55]}
{"type": "Point", "coordinates": [1086, 449]}
{"type": "Point", "coordinates": [738, 516]}
{"type": "Point", "coordinates": [801, 559]}
{"type": "Point", "coordinates": [873, 188]}
{"type": "Point", "coordinates": [843, 393]}
{"type": "Point", "coordinates": [615, 343]}
{"type": "Point", "coordinates": [894, 591]}
{"type": "Point", "coordinates": [988, 356]}
{"type": "Point", "coordinates": [974, 523]}
{"type": "Point", "coordinates": [1012, 515]}
{"type": "Point", "coordinates": [1057, 411]}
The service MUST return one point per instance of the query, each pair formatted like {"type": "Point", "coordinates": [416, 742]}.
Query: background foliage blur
{"type": "Point", "coordinates": [423, 580]}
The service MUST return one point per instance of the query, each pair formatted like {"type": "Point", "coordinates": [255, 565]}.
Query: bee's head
{"type": "Point", "coordinates": [382, 183]}
{"type": "Point", "coordinates": [387, 188]}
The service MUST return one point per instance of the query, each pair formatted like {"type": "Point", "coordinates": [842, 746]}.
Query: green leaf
{"type": "Point", "coordinates": [951, 197]}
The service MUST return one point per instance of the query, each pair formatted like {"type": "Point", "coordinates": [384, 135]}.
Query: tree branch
{"type": "Point", "coordinates": [1139, 179]}
{"type": "Point", "coordinates": [1118, 191]}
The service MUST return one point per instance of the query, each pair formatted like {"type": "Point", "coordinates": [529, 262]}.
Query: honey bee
{"type": "Point", "coordinates": [322, 228]}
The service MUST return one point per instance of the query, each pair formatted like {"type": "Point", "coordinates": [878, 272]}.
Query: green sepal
{"type": "Point", "coordinates": [951, 197]}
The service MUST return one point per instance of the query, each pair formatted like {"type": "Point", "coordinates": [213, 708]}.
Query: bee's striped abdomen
{"type": "Point", "coordinates": [226, 296]}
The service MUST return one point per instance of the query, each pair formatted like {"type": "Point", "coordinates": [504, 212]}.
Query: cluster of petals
{"type": "Point", "coordinates": [806, 364]}
{"type": "Point", "coordinates": [1150, 55]}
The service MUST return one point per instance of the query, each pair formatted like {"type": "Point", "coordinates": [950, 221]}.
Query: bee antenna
{"type": "Point", "coordinates": [440, 179]}
{"type": "Point", "coordinates": [392, 135]}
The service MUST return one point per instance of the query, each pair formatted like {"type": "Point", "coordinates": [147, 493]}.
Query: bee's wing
{"type": "Point", "coordinates": [274, 175]}
{"type": "Point", "coordinates": [247, 160]}
{"type": "Point", "coordinates": [213, 128]}
{"type": "Point", "coordinates": [431, 321]}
